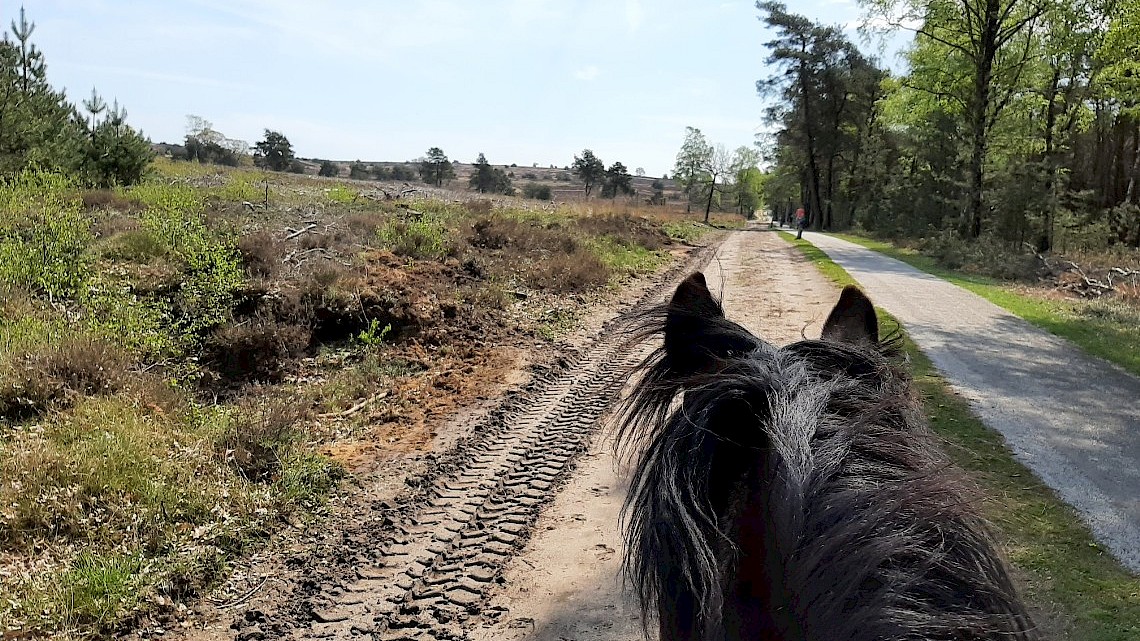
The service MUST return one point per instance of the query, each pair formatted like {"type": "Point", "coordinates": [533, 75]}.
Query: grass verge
{"type": "Point", "coordinates": [1098, 327]}
{"type": "Point", "coordinates": [1075, 587]}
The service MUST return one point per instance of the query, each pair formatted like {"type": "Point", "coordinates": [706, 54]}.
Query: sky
{"type": "Point", "coordinates": [522, 81]}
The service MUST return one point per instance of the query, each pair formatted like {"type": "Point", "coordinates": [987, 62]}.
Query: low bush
{"type": "Point", "coordinates": [256, 434]}
{"type": "Point", "coordinates": [260, 253]}
{"type": "Point", "coordinates": [502, 232]}
{"type": "Point", "coordinates": [625, 228]}
{"type": "Point", "coordinates": [537, 191]}
{"type": "Point", "coordinates": [254, 352]}
{"type": "Point", "coordinates": [44, 235]}
{"type": "Point", "coordinates": [479, 207]}
{"type": "Point", "coordinates": [58, 374]}
{"type": "Point", "coordinates": [108, 200]}
{"type": "Point", "coordinates": [419, 237]}
{"type": "Point", "coordinates": [986, 256]}
{"type": "Point", "coordinates": [575, 271]}
{"type": "Point", "coordinates": [136, 246]}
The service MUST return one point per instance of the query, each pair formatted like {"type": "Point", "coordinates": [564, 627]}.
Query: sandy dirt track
{"type": "Point", "coordinates": [1071, 418]}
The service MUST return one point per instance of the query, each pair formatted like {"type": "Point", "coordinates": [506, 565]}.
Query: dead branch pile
{"type": "Point", "coordinates": [1086, 282]}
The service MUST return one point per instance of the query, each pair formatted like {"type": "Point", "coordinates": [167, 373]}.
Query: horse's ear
{"type": "Point", "coordinates": [693, 300]}
{"type": "Point", "coordinates": [852, 320]}
{"type": "Point", "coordinates": [696, 331]}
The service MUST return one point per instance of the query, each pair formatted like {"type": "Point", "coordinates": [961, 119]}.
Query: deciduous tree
{"type": "Point", "coordinates": [695, 153]}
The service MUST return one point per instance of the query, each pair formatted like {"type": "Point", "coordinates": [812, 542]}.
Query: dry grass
{"type": "Point", "coordinates": [108, 200]}
{"type": "Point", "coordinates": [54, 376]}
{"type": "Point", "coordinates": [576, 271]}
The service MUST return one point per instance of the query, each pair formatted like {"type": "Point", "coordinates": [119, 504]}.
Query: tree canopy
{"type": "Point", "coordinates": [617, 181]}
{"type": "Point", "coordinates": [274, 152]}
{"type": "Point", "coordinates": [1015, 120]}
{"type": "Point", "coordinates": [589, 169]}
{"type": "Point", "coordinates": [435, 168]}
{"type": "Point", "coordinates": [489, 179]}
{"type": "Point", "coordinates": [695, 154]}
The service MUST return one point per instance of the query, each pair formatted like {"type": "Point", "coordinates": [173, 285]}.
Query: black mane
{"type": "Point", "coordinates": [797, 492]}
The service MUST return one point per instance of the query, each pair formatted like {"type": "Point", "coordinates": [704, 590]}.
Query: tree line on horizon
{"type": "Point", "coordinates": [275, 152]}
{"type": "Point", "coordinates": [41, 129]}
{"type": "Point", "coordinates": [1016, 122]}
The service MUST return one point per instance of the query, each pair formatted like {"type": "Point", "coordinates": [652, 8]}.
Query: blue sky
{"type": "Point", "coordinates": [523, 81]}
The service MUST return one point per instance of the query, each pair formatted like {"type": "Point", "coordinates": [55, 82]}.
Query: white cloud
{"type": "Point", "coordinates": [634, 14]}
{"type": "Point", "coordinates": [526, 12]}
{"type": "Point", "coordinates": [587, 73]}
{"type": "Point", "coordinates": [360, 30]}
{"type": "Point", "coordinates": [172, 78]}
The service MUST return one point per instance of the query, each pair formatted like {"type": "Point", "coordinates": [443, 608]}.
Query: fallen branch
{"type": "Point", "coordinates": [298, 232]}
{"type": "Point", "coordinates": [355, 408]}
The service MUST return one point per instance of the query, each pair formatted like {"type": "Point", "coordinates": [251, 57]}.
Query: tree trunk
{"type": "Point", "coordinates": [1130, 193]}
{"type": "Point", "coordinates": [809, 134]}
{"type": "Point", "coordinates": [708, 205]}
{"type": "Point", "coordinates": [827, 220]}
{"type": "Point", "coordinates": [980, 110]}
{"type": "Point", "coordinates": [1045, 240]}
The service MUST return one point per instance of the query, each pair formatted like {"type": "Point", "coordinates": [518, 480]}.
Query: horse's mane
{"type": "Point", "coordinates": [870, 532]}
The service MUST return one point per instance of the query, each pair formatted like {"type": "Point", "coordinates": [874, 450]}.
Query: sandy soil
{"type": "Point", "coordinates": [566, 584]}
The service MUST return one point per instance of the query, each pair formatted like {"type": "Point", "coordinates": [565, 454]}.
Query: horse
{"type": "Point", "coordinates": [797, 492]}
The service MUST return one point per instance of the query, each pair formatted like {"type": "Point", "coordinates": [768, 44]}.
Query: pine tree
{"type": "Point", "coordinates": [435, 168]}
{"type": "Point", "coordinates": [37, 124]}
{"type": "Point", "coordinates": [589, 169]}
{"type": "Point", "coordinates": [617, 180]}
{"type": "Point", "coordinates": [117, 154]}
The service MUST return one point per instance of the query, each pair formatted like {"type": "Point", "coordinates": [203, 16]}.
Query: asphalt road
{"type": "Point", "coordinates": [1072, 418]}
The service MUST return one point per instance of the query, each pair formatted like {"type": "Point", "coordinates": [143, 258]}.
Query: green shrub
{"type": "Point", "coordinates": [341, 194]}
{"type": "Point", "coordinates": [421, 237]}
{"type": "Point", "coordinates": [43, 236]}
{"type": "Point", "coordinates": [305, 477]}
{"type": "Point", "coordinates": [132, 322]}
{"type": "Point", "coordinates": [211, 264]}
{"type": "Point", "coordinates": [537, 191]}
{"type": "Point", "coordinates": [136, 245]}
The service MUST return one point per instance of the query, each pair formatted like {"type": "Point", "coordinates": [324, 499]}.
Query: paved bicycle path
{"type": "Point", "coordinates": [1072, 418]}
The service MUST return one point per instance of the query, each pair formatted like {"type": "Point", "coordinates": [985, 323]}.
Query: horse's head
{"type": "Point", "coordinates": [796, 492]}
